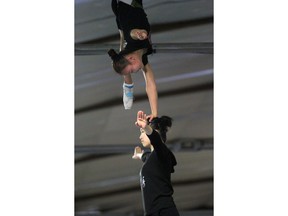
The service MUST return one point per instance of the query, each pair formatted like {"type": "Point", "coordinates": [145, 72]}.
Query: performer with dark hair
{"type": "Point", "coordinates": [159, 162]}
{"type": "Point", "coordinates": [134, 30]}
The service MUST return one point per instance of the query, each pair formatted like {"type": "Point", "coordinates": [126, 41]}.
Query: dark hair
{"type": "Point", "coordinates": [161, 125]}
{"type": "Point", "coordinates": [119, 62]}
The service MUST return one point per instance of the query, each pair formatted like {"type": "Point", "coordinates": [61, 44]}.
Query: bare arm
{"type": "Point", "coordinates": [122, 43]}
{"type": "Point", "coordinates": [151, 90]}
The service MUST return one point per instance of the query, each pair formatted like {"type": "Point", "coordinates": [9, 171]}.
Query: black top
{"type": "Point", "coordinates": [155, 176]}
{"type": "Point", "coordinates": [130, 17]}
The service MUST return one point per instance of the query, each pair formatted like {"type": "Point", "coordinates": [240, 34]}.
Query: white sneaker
{"type": "Point", "coordinates": [128, 95]}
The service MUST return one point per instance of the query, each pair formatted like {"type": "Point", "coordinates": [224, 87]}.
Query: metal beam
{"type": "Point", "coordinates": [101, 49]}
{"type": "Point", "coordinates": [175, 145]}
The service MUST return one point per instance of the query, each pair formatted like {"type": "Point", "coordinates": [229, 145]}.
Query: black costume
{"type": "Point", "coordinates": [155, 179]}
{"type": "Point", "coordinates": [129, 17]}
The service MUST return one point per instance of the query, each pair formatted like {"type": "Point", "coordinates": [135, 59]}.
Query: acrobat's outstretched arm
{"type": "Point", "coordinates": [151, 91]}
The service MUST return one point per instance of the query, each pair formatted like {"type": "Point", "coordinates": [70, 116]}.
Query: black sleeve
{"type": "Point", "coordinates": [149, 51]}
{"type": "Point", "coordinates": [145, 59]}
{"type": "Point", "coordinates": [161, 149]}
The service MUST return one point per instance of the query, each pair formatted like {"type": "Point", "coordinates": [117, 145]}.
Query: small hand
{"type": "Point", "coordinates": [150, 117]}
{"type": "Point", "coordinates": [141, 35]}
{"type": "Point", "coordinates": [141, 119]}
{"type": "Point", "coordinates": [138, 152]}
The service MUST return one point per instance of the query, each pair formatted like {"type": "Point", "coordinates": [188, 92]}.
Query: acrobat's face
{"type": "Point", "coordinates": [131, 68]}
{"type": "Point", "coordinates": [144, 139]}
{"type": "Point", "coordinates": [134, 66]}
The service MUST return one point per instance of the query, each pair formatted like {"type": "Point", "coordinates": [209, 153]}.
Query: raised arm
{"type": "Point", "coordinates": [141, 122]}
{"type": "Point", "coordinates": [160, 148]}
{"type": "Point", "coordinates": [151, 90]}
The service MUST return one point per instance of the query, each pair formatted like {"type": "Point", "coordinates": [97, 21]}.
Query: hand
{"type": "Point", "coordinates": [138, 152]}
{"type": "Point", "coordinates": [141, 120]}
{"type": "Point", "coordinates": [150, 117]}
{"type": "Point", "coordinates": [141, 35]}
